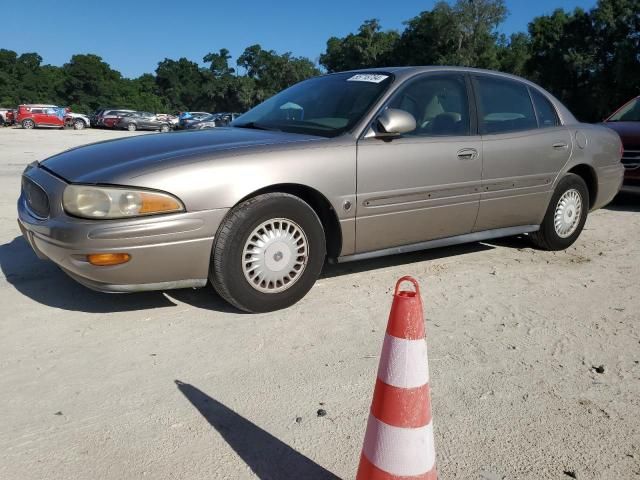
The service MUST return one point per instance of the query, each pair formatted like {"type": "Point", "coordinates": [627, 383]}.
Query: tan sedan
{"type": "Point", "coordinates": [341, 167]}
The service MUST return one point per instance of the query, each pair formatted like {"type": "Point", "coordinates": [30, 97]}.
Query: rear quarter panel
{"type": "Point", "coordinates": [599, 148]}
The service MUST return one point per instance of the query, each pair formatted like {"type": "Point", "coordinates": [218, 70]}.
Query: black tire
{"type": "Point", "coordinates": [132, 127]}
{"type": "Point", "coordinates": [28, 124]}
{"type": "Point", "coordinates": [164, 128]}
{"type": "Point", "coordinates": [226, 268]}
{"type": "Point", "coordinates": [547, 238]}
{"type": "Point", "coordinates": [79, 124]}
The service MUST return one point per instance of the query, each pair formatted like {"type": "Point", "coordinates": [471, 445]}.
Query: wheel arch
{"type": "Point", "coordinates": [588, 174]}
{"type": "Point", "coordinates": [319, 203]}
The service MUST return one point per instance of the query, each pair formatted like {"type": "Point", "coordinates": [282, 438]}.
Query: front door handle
{"type": "Point", "coordinates": [467, 154]}
{"type": "Point", "coordinates": [560, 146]}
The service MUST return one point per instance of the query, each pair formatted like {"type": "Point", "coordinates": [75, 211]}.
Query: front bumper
{"type": "Point", "coordinates": [167, 251]}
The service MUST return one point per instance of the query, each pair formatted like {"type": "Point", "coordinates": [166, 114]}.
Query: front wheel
{"type": "Point", "coordinates": [268, 253]}
{"type": "Point", "coordinates": [79, 124]}
{"type": "Point", "coordinates": [566, 215]}
{"type": "Point", "coordinates": [164, 128]}
{"type": "Point", "coordinates": [28, 124]}
{"type": "Point", "coordinates": [132, 127]}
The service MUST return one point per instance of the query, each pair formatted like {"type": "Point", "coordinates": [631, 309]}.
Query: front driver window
{"type": "Point", "coordinates": [439, 104]}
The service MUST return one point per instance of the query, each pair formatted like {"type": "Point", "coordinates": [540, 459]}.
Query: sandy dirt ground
{"type": "Point", "coordinates": [177, 385]}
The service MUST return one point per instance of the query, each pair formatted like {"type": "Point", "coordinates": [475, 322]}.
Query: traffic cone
{"type": "Point", "coordinates": [399, 440]}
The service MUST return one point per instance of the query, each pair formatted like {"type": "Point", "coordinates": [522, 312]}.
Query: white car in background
{"type": "Point", "coordinates": [78, 121]}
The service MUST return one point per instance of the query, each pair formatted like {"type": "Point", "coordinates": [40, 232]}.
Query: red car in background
{"type": "Point", "coordinates": [626, 122]}
{"type": "Point", "coordinates": [109, 118]}
{"type": "Point", "coordinates": [41, 115]}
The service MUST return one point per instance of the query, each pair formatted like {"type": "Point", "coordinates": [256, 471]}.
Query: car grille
{"type": "Point", "coordinates": [631, 159]}
{"type": "Point", "coordinates": [35, 197]}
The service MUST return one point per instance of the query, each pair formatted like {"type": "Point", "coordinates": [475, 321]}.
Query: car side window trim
{"type": "Point", "coordinates": [473, 105]}
{"type": "Point", "coordinates": [473, 126]}
{"type": "Point", "coordinates": [537, 112]}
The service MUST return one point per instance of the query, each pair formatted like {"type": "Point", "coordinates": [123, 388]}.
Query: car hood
{"type": "Point", "coordinates": [629, 132]}
{"type": "Point", "coordinates": [104, 161]}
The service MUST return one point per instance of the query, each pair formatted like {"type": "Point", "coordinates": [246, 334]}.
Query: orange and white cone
{"type": "Point", "coordinates": [399, 441]}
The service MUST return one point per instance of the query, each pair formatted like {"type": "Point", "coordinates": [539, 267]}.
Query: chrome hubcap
{"type": "Point", "coordinates": [275, 255]}
{"type": "Point", "coordinates": [568, 213]}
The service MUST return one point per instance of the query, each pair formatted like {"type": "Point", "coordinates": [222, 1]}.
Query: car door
{"type": "Point", "coordinates": [524, 148]}
{"type": "Point", "coordinates": [39, 117]}
{"type": "Point", "coordinates": [424, 185]}
{"type": "Point", "coordinates": [51, 117]}
{"type": "Point", "coordinates": [144, 121]}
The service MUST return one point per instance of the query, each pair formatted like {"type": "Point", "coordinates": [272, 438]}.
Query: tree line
{"type": "Point", "coordinates": [588, 59]}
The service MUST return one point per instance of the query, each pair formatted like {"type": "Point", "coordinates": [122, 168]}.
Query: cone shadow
{"type": "Point", "coordinates": [268, 457]}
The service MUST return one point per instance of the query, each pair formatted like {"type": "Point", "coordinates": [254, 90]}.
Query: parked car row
{"type": "Point", "coordinates": [31, 116]}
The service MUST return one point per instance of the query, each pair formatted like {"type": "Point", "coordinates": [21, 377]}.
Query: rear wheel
{"type": "Point", "coordinates": [268, 253]}
{"type": "Point", "coordinates": [79, 124]}
{"type": "Point", "coordinates": [28, 124]}
{"type": "Point", "coordinates": [566, 215]}
{"type": "Point", "coordinates": [132, 127]}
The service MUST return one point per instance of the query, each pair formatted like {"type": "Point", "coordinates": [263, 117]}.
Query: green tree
{"type": "Point", "coordinates": [460, 34]}
{"type": "Point", "coordinates": [514, 53]}
{"type": "Point", "coordinates": [180, 83]}
{"type": "Point", "coordinates": [370, 47]}
{"type": "Point", "coordinates": [616, 55]}
{"type": "Point", "coordinates": [562, 58]}
{"type": "Point", "coordinates": [273, 72]}
{"type": "Point", "coordinates": [219, 63]}
{"type": "Point", "coordinates": [89, 83]}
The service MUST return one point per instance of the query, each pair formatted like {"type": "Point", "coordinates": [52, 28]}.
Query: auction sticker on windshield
{"type": "Point", "coordinates": [367, 77]}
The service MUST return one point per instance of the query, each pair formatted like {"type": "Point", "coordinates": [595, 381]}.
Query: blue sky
{"type": "Point", "coordinates": [133, 36]}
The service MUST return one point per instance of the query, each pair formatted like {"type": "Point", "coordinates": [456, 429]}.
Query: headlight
{"type": "Point", "coordinates": [109, 202]}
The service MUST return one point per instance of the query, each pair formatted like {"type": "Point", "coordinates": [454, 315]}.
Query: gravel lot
{"type": "Point", "coordinates": [177, 385]}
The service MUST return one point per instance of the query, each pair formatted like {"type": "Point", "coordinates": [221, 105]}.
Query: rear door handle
{"type": "Point", "coordinates": [467, 154]}
{"type": "Point", "coordinates": [560, 146]}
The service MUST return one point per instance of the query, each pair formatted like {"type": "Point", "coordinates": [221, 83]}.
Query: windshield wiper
{"type": "Point", "coordinates": [257, 126]}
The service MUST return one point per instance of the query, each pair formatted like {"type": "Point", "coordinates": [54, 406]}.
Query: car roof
{"type": "Point", "coordinates": [412, 70]}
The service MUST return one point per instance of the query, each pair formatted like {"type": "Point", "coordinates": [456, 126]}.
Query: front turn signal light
{"type": "Point", "coordinates": [107, 259]}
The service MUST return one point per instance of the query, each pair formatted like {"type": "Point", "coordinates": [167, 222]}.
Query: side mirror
{"type": "Point", "coordinates": [394, 122]}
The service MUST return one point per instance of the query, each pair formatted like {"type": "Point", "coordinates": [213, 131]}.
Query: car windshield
{"type": "Point", "coordinates": [326, 106]}
{"type": "Point", "coordinates": [629, 113]}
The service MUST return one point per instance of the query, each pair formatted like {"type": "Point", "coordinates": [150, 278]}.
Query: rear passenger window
{"type": "Point", "coordinates": [547, 116]}
{"type": "Point", "coordinates": [504, 106]}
